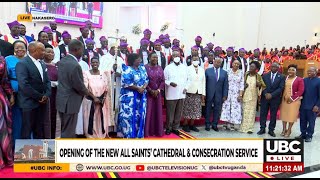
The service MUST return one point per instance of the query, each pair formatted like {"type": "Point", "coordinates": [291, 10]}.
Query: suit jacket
{"type": "Point", "coordinates": [71, 88]}
{"type": "Point", "coordinates": [214, 88]}
{"type": "Point", "coordinates": [311, 95]}
{"type": "Point", "coordinates": [297, 88]}
{"type": "Point", "coordinates": [31, 86]}
{"type": "Point", "coordinates": [276, 88]}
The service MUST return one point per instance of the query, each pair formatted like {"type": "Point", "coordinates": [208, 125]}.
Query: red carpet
{"type": "Point", "coordinates": [8, 173]}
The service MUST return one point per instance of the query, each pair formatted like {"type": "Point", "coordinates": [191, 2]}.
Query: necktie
{"type": "Point", "coordinates": [217, 74]}
{"type": "Point", "coordinates": [272, 78]}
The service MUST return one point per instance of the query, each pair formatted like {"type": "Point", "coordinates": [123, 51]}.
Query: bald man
{"type": "Point", "coordinates": [33, 94]}
{"type": "Point", "coordinates": [309, 105]}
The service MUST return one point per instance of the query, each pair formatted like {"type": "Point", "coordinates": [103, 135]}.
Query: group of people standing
{"type": "Point", "coordinates": [59, 87]}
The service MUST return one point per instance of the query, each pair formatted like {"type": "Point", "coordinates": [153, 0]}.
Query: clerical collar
{"type": "Point", "coordinates": [15, 37]}
{"type": "Point", "coordinates": [210, 62]}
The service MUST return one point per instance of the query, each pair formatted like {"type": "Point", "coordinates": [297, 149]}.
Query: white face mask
{"type": "Point", "coordinates": [195, 63]}
{"type": "Point", "coordinates": [176, 59]}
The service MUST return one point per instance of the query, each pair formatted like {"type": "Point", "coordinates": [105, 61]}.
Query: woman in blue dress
{"type": "Point", "coordinates": [133, 99]}
{"type": "Point", "coordinates": [20, 49]}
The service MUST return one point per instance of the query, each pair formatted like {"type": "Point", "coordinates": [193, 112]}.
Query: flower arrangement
{"type": "Point", "coordinates": [164, 27]}
{"type": "Point", "coordinates": [136, 29]}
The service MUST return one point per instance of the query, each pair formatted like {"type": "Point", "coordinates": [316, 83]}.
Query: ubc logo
{"type": "Point", "coordinates": [283, 146]}
{"type": "Point", "coordinates": [282, 149]}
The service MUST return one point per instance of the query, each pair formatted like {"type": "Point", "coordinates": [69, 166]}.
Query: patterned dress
{"type": "Point", "coordinates": [11, 62]}
{"type": "Point", "coordinates": [231, 108]}
{"type": "Point", "coordinates": [133, 105]}
{"type": "Point", "coordinates": [250, 99]}
{"type": "Point", "coordinates": [6, 151]}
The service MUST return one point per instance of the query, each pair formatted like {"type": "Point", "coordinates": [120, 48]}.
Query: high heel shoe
{"type": "Point", "coordinates": [287, 134]}
{"type": "Point", "coordinates": [283, 133]}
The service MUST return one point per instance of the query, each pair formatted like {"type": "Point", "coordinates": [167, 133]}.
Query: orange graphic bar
{"type": "Point", "coordinates": [42, 167]}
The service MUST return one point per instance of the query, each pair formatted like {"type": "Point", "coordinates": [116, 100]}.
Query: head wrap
{"type": "Point", "coordinates": [198, 38]}
{"type": "Point", "coordinates": [89, 40]}
{"type": "Point", "coordinates": [65, 34]}
{"type": "Point", "coordinates": [147, 31]}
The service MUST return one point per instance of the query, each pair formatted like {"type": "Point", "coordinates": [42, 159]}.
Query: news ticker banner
{"type": "Point", "coordinates": [164, 155]}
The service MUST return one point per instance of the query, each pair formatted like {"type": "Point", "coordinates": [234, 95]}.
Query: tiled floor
{"type": "Point", "coordinates": [311, 150]}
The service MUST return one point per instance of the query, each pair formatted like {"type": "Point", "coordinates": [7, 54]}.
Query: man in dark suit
{"type": "Point", "coordinates": [309, 105]}
{"type": "Point", "coordinates": [71, 89]}
{"type": "Point", "coordinates": [271, 98]}
{"type": "Point", "coordinates": [34, 91]}
{"type": "Point", "coordinates": [216, 92]}
{"type": "Point", "coordinates": [161, 57]}
{"type": "Point", "coordinates": [84, 35]}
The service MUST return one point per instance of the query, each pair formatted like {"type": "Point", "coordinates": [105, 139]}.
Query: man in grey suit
{"type": "Point", "coordinates": [71, 89]}
{"type": "Point", "coordinates": [216, 92]}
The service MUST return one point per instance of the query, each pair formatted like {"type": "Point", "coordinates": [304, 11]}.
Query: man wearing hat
{"type": "Point", "coordinates": [218, 52]}
{"type": "Point", "coordinates": [210, 46]}
{"type": "Point", "coordinates": [143, 51]}
{"type": "Point", "coordinates": [161, 56]}
{"type": "Point", "coordinates": [176, 43]}
{"type": "Point", "coordinates": [104, 46]}
{"type": "Point", "coordinates": [194, 53]}
{"type": "Point", "coordinates": [84, 35]}
{"type": "Point", "coordinates": [205, 54]}
{"type": "Point", "coordinates": [198, 40]}
{"type": "Point", "coordinates": [55, 34]}
{"type": "Point", "coordinates": [91, 31]}
{"type": "Point", "coordinates": [244, 63]}
{"type": "Point", "coordinates": [123, 53]}
{"type": "Point", "coordinates": [108, 62]}
{"type": "Point", "coordinates": [50, 36]}
{"type": "Point", "coordinates": [62, 50]}
{"type": "Point", "coordinates": [125, 40]}
{"type": "Point", "coordinates": [14, 35]}
{"type": "Point", "coordinates": [226, 64]}
{"type": "Point", "coordinates": [147, 35]}
{"type": "Point", "coordinates": [256, 57]}
{"type": "Point", "coordinates": [166, 49]}
{"type": "Point", "coordinates": [89, 52]}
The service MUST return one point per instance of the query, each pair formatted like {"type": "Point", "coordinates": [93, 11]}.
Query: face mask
{"type": "Point", "coordinates": [195, 63]}
{"type": "Point", "coordinates": [176, 59]}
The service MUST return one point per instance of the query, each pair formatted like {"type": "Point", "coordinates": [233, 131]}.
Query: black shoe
{"type": "Point", "coordinates": [176, 132]}
{"type": "Point", "coordinates": [271, 133]}
{"type": "Point", "coordinates": [301, 136]}
{"type": "Point", "coordinates": [193, 128]}
{"type": "Point", "coordinates": [168, 132]}
{"type": "Point", "coordinates": [186, 128]}
{"type": "Point", "coordinates": [262, 131]}
{"type": "Point", "coordinates": [207, 128]}
{"type": "Point", "coordinates": [249, 132]}
{"type": "Point", "coordinates": [308, 140]}
{"type": "Point", "coordinates": [215, 128]}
